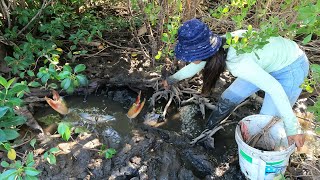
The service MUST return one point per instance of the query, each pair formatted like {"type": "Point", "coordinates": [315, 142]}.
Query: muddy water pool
{"type": "Point", "coordinates": [186, 120]}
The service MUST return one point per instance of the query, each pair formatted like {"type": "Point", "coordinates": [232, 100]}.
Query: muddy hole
{"type": "Point", "coordinates": [159, 150]}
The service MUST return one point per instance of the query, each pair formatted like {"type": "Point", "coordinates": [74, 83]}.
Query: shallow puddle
{"type": "Point", "coordinates": [185, 120]}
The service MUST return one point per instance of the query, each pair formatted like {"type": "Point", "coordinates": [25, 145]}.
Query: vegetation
{"type": "Point", "coordinates": [46, 40]}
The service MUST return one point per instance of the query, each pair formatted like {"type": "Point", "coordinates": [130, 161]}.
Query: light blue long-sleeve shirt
{"type": "Point", "coordinates": [275, 55]}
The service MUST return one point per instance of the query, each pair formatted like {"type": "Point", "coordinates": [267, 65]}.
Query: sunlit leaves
{"type": "Point", "coordinates": [64, 129]}
{"type": "Point", "coordinates": [12, 154]}
{"type": "Point", "coordinates": [110, 153]}
{"type": "Point", "coordinates": [79, 68]}
{"type": "Point", "coordinates": [307, 39]}
{"type": "Point", "coordinates": [19, 170]}
{"type": "Point", "coordinates": [50, 155]}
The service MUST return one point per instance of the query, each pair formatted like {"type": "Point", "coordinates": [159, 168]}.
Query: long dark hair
{"type": "Point", "coordinates": [215, 65]}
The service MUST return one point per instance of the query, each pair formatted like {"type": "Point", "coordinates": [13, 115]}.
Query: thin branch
{"type": "Point", "coordinates": [6, 13]}
{"type": "Point", "coordinates": [135, 31]}
{"type": "Point", "coordinates": [44, 5]}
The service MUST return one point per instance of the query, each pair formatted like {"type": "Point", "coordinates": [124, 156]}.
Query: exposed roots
{"type": "Point", "coordinates": [181, 95]}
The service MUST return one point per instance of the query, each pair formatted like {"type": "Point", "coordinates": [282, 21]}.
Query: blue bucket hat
{"type": "Point", "coordinates": [196, 41]}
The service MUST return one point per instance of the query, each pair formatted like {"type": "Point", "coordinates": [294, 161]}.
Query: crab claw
{"type": "Point", "coordinates": [136, 107]}
{"type": "Point", "coordinates": [57, 103]}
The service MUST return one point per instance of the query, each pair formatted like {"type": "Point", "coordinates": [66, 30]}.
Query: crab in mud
{"type": "Point", "coordinates": [136, 107]}
{"type": "Point", "coordinates": [57, 103]}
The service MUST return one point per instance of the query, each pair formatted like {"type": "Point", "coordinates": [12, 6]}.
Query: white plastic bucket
{"type": "Point", "coordinates": [257, 164]}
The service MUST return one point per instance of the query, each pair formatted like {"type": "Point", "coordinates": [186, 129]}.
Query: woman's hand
{"type": "Point", "coordinates": [298, 139]}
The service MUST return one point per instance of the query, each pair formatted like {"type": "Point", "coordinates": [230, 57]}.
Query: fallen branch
{"type": "Point", "coordinates": [252, 141]}
{"type": "Point", "coordinates": [205, 134]}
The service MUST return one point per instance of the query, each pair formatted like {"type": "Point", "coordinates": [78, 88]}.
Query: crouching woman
{"type": "Point", "coordinates": [279, 68]}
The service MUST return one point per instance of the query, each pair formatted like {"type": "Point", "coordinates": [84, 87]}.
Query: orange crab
{"type": "Point", "coordinates": [136, 107]}
{"type": "Point", "coordinates": [57, 103]}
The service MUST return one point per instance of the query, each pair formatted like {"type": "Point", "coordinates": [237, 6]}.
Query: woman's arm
{"type": "Point", "coordinates": [186, 72]}
{"type": "Point", "coordinates": [249, 70]}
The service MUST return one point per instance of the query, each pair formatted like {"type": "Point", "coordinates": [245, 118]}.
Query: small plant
{"type": "Point", "coordinates": [69, 78]}
{"type": "Point", "coordinates": [64, 129]}
{"type": "Point", "coordinates": [50, 155]}
{"type": "Point", "coordinates": [10, 97]}
{"type": "Point", "coordinates": [18, 170]}
{"type": "Point", "coordinates": [251, 40]}
{"type": "Point", "coordinates": [313, 84]}
{"type": "Point", "coordinates": [107, 153]}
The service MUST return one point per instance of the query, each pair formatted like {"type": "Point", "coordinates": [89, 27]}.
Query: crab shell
{"type": "Point", "coordinates": [57, 103]}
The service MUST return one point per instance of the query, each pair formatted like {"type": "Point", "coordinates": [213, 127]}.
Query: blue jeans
{"type": "Point", "coordinates": [290, 77]}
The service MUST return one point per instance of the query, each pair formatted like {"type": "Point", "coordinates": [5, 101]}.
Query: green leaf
{"type": "Point", "coordinates": [250, 28]}
{"type": "Point", "coordinates": [3, 81]}
{"type": "Point", "coordinates": [51, 159]}
{"type": "Point", "coordinates": [3, 111]}
{"type": "Point", "coordinates": [64, 130]}
{"type": "Point", "coordinates": [45, 155]}
{"type": "Point", "coordinates": [34, 84]}
{"type": "Point", "coordinates": [54, 150]}
{"type": "Point", "coordinates": [30, 73]}
{"type": "Point", "coordinates": [7, 146]}
{"type": "Point", "coordinates": [317, 130]}
{"type": "Point", "coordinates": [40, 74]}
{"type": "Point", "coordinates": [64, 74]}
{"type": "Point", "coordinates": [3, 137]}
{"type": "Point", "coordinates": [315, 68]}
{"type": "Point", "coordinates": [18, 164]}
{"type": "Point", "coordinates": [21, 75]}
{"type": "Point", "coordinates": [11, 134]}
{"type": "Point", "coordinates": [9, 83]}
{"type": "Point", "coordinates": [15, 101]}
{"type": "Point", "coordinates": [67, 134]}
{"type": "Point", "coordinates": [165, 37]}
{"type": "Point", "coordinates": [5, 164]}
{"type": "Point", "coordinates": [30, 161]}
{"type": "Point", "coordinates": [18, 88]}
{"type": "Point", "coordinates": [29, 37]}
{"type": "Point", "coordinates": [31, 171]}
{"type": "Point", "coordinates": [82, 79]}
{"type": "Point", "coordinates": [27, 177]}
{"type": "Point", "coordinates": [309, 89]}
{"type": "Point", "coordinates": [12, 121]}
{"type": "Point", "coordinates": [33, 142]}
{"type": "Point", "coordinates": [225, 10]}
{"type": "Point", "coordinates": [53, 86]}
{"type": "Point", "coordinates": [8, 174]}
{"type": "Point", "coordinates": [158, 56]}
{"type": "Point", "coordinates": [110, 152]}
{"type": "Point", "coordinates": [73, 47]}
{"type": "Point", "coordinates": [79, 68]}
{"type": "Point", "coordinates": [307, 39]}
{"type": "Point", "coordinates": [45, 78]}
{"type": "Point", "coordinates": [70, 90]}
{"type": "Point", "coordinates": [65, 84]}
{"type": "Point", "coordinates": [67, 68]}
